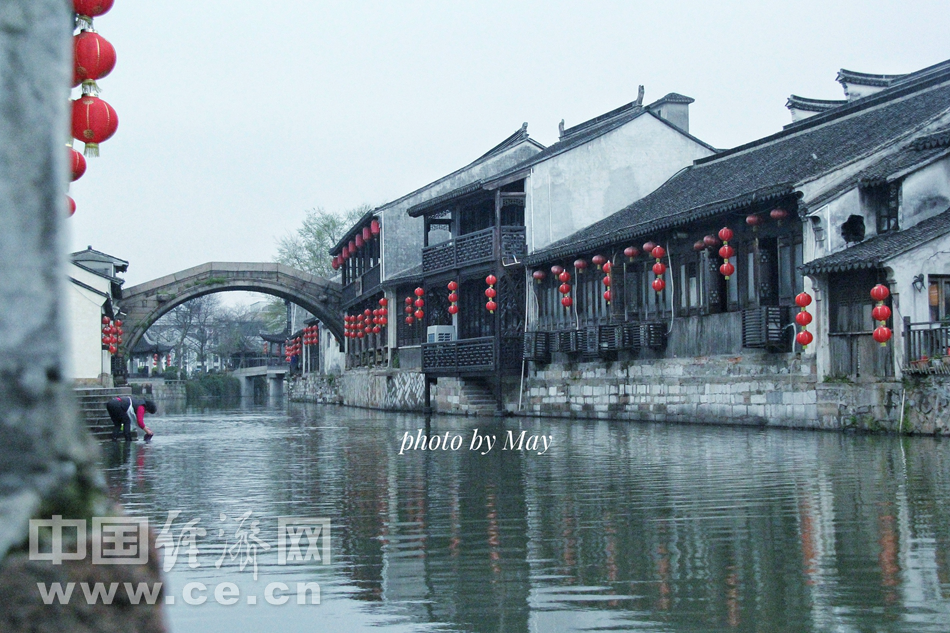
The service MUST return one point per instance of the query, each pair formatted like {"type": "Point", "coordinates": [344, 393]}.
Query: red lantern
{"type": "Point", "coordinates": [377, 329]}
{"type": "Point", "coordinates": [93, 121]}
{"type": "Point", "coordinates": [335, 263]}
{"type": "Point", "coordinates": [711, 241]}
{"type": "Point", "coordinates": [367, 312]}
{"type": "Point", "coordinates": [803, 300]}
{"type": "Point", "coordinates": [360, 334]}
{"type": "Point", "coordinates": [118, 322]}
{"type": "Point", "coordinates": [419, 303]}
{"type": "Point", "coordinates": [598, 260]}
{"type": "Point", "coordinates": [409, 309]}
{"type": "Point", "coordinates": [607, 267]}
{"type": "Point", "coordinates": [419, 292]}
{"type": "Point", "coordinates": [453, 297]}
{"type": "Point", "coordinates": [352, 248]}
{"type": "Point", "coordinates": [699, 245]}
{"type": "Point", "coordinates": [556, 270]}
{"type": "Point", "coordinates": [113, 349]}
{"type": "Point", "coordinates": [367, 234]}
{"type": "Point", "coordinates": [491, 280]}
{"type": "Point", "coordinates": [882, 335]}
{"type": "Point", "coordinates": [419, 314]}
{"type": "Point", "coordinates": [490, 293]}
{"type": "Point", "coordinates": [880, 292]}
{"type": "Point", "coordinates": [70, 206]}
{"type": "Point", "coordinates": [881, 313]}
{"type": "Point", "coordinates": [564, 289]}
{"type": "Point", "coordinates": [453, 286]}
{"type": "Point", "coordinates": [374, 227]}
{"type": "Point", "coordinates": [648, 247]}
{"type": "Point", "coordinates": [804, 338]}
{"type": "Point", "coordinates": [606, 280]}
{"type": "Point", "coordinates": [345, 253]}
{"type": "Point", "coordinates": [538, 275]}
{"type": "Point", "coordinates": [778, 215]}
{"type": "Point", "coordinates": [659, 284]}
{"type": "Point", "coordinates": [409, 300]}
{"type": "Point", "coordinates": [631, 252]}
{"type": "Point", "coordinates": [753, 220]}
{"type": "Point", "coordinates": [92, 8]}
{"type": "Point", "coordinates": [659, 269]}
{"type": "Point", "coordinates": [727, 270]}
{"type": "Point", "coordinates": [453, 309]}
{"type": "Point", "coordinates": [77, 164]}
{"type": "Point", "coordinates": [409, 320]}
{"type": "Point", "coordinates": [384, 302]}
{"type": "Point", "coordinates": [580, 265]}
{"type": "Point", "coordinates": [607, 296]}
{"type": "Point", "coordinates": [727, 252]}
{"type": "Point", "coordinates": [359, 241]}
{"type": "Point", "coordinates": [93, 58]}
{"type": "Point", "coordinates": [567, 302]}
{"type": "Point", "coordinates": [803, 318]}
{"type": "Point", "coordinates": [725, 234]}
{"type": "Point", "coordinates": [106, 320]}
{"type": "Point", "coordinates": [658, 252]}
{"type": "Point", "coordinates": [491, 306]}
{"type": "Point", "coordinates": [564, 276]}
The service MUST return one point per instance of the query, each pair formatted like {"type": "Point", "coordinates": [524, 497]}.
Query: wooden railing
{"type": "Point", "coordinates": [474, 248]}
{"type": "Point", "coordinates": [926, 347]}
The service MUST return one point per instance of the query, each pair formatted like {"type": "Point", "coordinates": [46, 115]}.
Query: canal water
{"type": "Point", "coordinates": [615, 527]}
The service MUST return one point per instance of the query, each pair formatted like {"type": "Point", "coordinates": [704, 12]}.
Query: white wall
{"type": "Point", "coordinates": [925, 193]}
{"type": "Point", "coordinates": [572, 190]}
{"type": "Point", "coordinates": [84, 326]}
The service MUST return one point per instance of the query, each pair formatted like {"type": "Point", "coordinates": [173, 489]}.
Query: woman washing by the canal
{"type": "Point", "coordinates": [123, 408]}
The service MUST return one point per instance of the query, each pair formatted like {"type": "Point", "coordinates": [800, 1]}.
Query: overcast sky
{"type": "Point", "coordinates": [236, 117]}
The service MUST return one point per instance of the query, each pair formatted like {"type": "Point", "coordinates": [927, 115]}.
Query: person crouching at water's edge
{"type": "Point", "coordinates": [123, 409]}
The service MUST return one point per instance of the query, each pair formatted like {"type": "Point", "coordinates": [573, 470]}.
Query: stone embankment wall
{"type": "Point", "coordinates": [158, 388]}
{"type": "Point", "coordinates": [393, 390]}
{"type": "Point", "coordinates": [314, 388]}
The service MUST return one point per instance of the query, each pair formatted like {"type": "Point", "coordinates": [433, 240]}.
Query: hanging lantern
{"type": "Point", "coordinates": [106, 320]}
{"type": "Point", "coordinates": [490, 292]}
{"type": "Point", "coordinates": [778, 215]}
{"type": "Point", "coordinates": [607, 267]}
{"type": "Point", "coordinates": [803, 300]}
{"type": "Point", "coordinates": [93, 121]}
{"type": "Point", "coordinates": [598, 260]}
{"type": "Point", "coordinates": [352, 247]}
{"type": "Point", "coordinates": [77, 165]}
{"type": "Point", "coordinates": [367, 234]}
{"type": "Point", "coordinates": [453, 286]}
{"type": "Point", "coordinates": [699, 245]}
{"type": "Point", "coordinates": [607, 296]}
{"type": "Point", "coordinates": [377, 329]}
{"type": "Point", "coordinates": [631, 252]}
{"type": "Point", "coordinates": [419, 292]}
{"type": "Point", "coordinates": [86, 10]}
{"type": "Point", "coordinates": [659, 284]}
{"type": "Point", "coordinates": [882, 335]}
{"type": "Point", "coordinates": [538, 276]}
{"type": "Point", "coordinates": [727, 269]}
{"type": "Point", "coordinates": [409, 320]}
{"type": "Point", "coordinates": [419, 303]}
{"type": "Point", "coordinates": [453, 309]}
{"type": "Point", "coordinates": [345, 253]}
{"type": "Point", "coordinates": [419, 314]}
{"type": "Point", "coordinates": [659, 269]}
{"type": "Point", "coordinates": [93, 58]}
{"type": "Point", "coordinates": [374, 227]}
{"type": "Point", "coordinates": [491, 306]}
{"type": "Point", "coordinates": [453, 297]}
{"type": "Point", "coordinates": [118, 322]}
{"type": "Point", "coordinates": [367, 312]}
{"type": "Point", "coordinates": [384, 302]}
{"type": "Point", "coordinates": [803, 318]}
{"type": "Point", "coordinates": [754, 221]}
{"type": "Point", "coordinates": [408, 309]}
{"type": "Point", "coordinates": [658, 252]}
{"type": "Point", "coordinates": [580, 265]}
{"type": "Point", "coordinates": [113, 349]}
{"type": "Point", "coordinates": [70, 206]}
{"type": "Point", "coordinates": [491, 280]}
{"type": "Point", "coordinates": [804, 338]}
{"type": "Point", "coordinates": [880, 292]}
{"type": "Point", "coordinates": [567, 302]}
{"type": "Point", "coordinates": [564, 289]}
{"type": "Point", "coordinates": [359, 241]}
{"type": "Point", "coordinates": [881, 313]}
{"type": "Point", "coordinates": [556, 270]}
{"type": "Point", "coordinates": [564, 276]}
{"type": "Point", "coordinates": [408, 301]}
{"type": "Point", "coordinates": [335, 263]}
{"type": "Point", "coordinates": [711, 241]}
{"type": "Point", "coordinates": [606, 281]}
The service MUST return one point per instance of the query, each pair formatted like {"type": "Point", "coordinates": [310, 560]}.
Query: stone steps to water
{"type": "Point", "coordinates": [91, 403]}
{"type": "Point", "coordinates": [478, 396]}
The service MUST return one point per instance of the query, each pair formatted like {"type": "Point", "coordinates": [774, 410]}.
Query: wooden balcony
{"type": "Point", "coordinates": [927, 348]}
{"type": "Point", "coordinates": [474, 248]}
{"type": "Point", "coordinates": [472, 357]}
{"type": "Point", "coordinates": [365, 284]}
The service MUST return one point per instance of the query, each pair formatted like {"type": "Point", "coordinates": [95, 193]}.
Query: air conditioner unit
{"type": "Point", "coordinates": [440, 333]}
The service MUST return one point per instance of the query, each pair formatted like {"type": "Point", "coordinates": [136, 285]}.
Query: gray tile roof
{"type": "Point", "coordinates": [768, 167]}
{"type": "Point", "coordinates": [875, 251]}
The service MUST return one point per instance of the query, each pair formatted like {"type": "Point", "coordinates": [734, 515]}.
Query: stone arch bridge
{"type": "Point", "coordinates": [146, 303]}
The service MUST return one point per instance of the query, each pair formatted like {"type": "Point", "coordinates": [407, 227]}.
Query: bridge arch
{"type": "Point", "coordinates": [145, 303]}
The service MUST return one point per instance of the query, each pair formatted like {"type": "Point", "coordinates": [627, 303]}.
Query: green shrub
{"type": "Point", "coordinates": [213, 386]}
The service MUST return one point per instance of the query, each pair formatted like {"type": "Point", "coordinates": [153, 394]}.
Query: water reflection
{"type": "Point", "coordinates": [617, 527]}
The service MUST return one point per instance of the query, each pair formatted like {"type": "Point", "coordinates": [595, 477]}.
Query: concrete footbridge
{"type": "Point", "coordinates": [146, 303]}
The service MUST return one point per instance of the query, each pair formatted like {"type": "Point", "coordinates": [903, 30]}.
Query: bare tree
{"type": "Point", "coordinates": [308, 248]}
{"type": "Point", "coordinates": [189, 327]}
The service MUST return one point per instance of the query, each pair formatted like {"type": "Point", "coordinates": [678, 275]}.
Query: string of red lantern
{"type": "Point", "coordinates": [565, 288]}
{"type": "Point", "coordinates": [419, 303]}
{"type": "Point", "coordinates": [607, 267]}
{"type": "Point", "coordinates": [631, 252]}
{"type": "Point", "coordinates": [726, 252]}
{"type": "Point", "coordinates": [111, 334]}
{"type": "Point", "coordinates": [538, 276]}
{"type": "Point", "coordinates": [659, 268]}
{"type": "Point", "coordinates": [490, 305]}
{"type": "Point", "coordinates": [408, 309]}
{"type": "Point", "coordinates": [803, 318]}
{"type": "Point", "coordinates": [881, 313]}
{"type": "Point", "coordinates": [453, 297]}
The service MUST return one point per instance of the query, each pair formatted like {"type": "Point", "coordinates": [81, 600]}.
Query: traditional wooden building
{"type": "Point", "coordinates": [854, 195]}
{"type": "Point", "coordinates": [477, 236]}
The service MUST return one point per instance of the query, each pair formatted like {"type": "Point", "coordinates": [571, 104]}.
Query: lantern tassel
{"type": "Point", "coordinates": [90, 88]}
{"type": "Point", "coordinates": [84, 23]}
{"type": "Point", "coordinates": [92, 150]}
